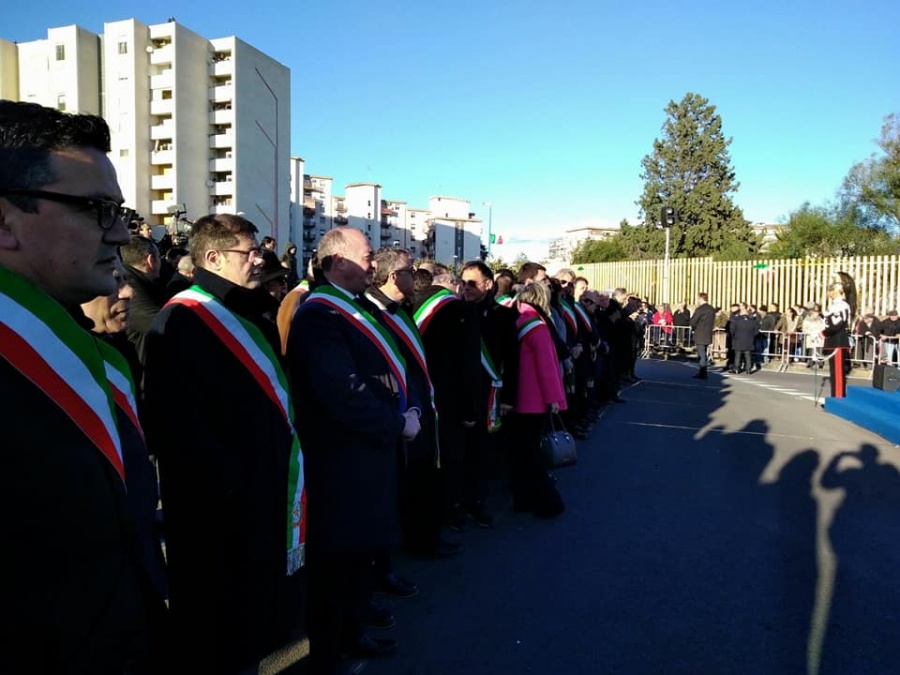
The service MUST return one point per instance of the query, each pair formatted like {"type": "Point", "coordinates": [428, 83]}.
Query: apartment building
{"type": "Point", "coordinates": [312, 208]}
{"type": "Point", "coordinates": [198, 126]}
{"type": "Point", "coordinates": [453, 234]}
{"type": "Point", "coordinates": [560, 249]}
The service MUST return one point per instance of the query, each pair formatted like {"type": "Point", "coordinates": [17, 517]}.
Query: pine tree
{"type": "Point", "coordinates": [690, 169]}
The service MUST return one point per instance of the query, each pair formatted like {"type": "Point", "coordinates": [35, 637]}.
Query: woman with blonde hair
{"type": "Point", "coordinates": [540, 391]}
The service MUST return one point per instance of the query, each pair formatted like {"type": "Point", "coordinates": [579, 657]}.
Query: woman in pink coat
{"type": "Point", "coordinates": [540, 391]}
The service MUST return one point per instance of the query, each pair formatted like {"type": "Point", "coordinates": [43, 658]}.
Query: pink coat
{"type": "Point", "coordinates": [540, 381]}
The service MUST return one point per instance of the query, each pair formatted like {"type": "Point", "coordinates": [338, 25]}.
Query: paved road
{"type": "Point", "coordinates": [699, 538]}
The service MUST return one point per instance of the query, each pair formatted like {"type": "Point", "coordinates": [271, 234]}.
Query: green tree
{"type": "Point", "coordinates": [821, 232]}
{"type": "Point", "coordinates": [600, 250]}
{"type": "Point", "coordinates": [690, 169]}
{"type": "Point", "coordinates": [870, 194]}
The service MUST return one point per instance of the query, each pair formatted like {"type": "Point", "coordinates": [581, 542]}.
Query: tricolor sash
{"type": "Point", "coordinates": [119, 378]}
{"type": "Point", "coordinates": [528, 326]}
{"type": "Point", "coordinates": [370, 327]}
{"type": "Point", "coordinates": [42, 341]}
{"type": "Point", "coordinates": [569, 315]}
{"type": "Point", "coordinates": [429, 309]}
{"type": "Point", "coordinates": [255, 353]}
{"type": "Point", "coordinates": [506, 300]}
{"type": "Point", "coordinates": [493, 408]}
{"type": "Point", "coordinates": [583, 317]}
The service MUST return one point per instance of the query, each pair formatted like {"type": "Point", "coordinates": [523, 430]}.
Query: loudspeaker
{"type": "Point", "coordinates": [886, 378]}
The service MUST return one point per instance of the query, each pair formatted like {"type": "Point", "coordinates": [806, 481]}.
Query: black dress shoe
{"type": "Point", "coordinates": [368, 647]}
{"type": "Point", "coordinates": [376, 615]}
{"type": "Point", "coordinates": [397, 586]}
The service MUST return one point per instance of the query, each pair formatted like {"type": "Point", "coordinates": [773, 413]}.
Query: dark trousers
{"type": "Point", "coordinates": [338, 586]}
{"type": "Point", "coordinates": [452, 438]}
{"type": "Point", "coordinates": [421, 508]}
{"type": "Point", "coordinates": [525, 474]}
{"type": "Point", "coordinates": [702, 355]}
{"type": "Point", "coordinates": [476, 463]}
{"type": "Point", "coordinates": [745, 357]}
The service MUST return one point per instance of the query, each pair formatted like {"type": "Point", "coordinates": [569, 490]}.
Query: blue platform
{"type": "Point", "coordinates": [870, 408]}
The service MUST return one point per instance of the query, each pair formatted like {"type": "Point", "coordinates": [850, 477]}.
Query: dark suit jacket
{"type": "Point", "coordinates": [702, 323]}
{"type": "Point", "coordinates": [349, 423]}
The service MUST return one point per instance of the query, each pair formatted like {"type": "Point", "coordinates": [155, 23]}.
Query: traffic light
{"type": "Point", "coordinates": [668, 216]}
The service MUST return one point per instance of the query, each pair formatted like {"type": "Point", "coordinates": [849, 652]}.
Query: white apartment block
{"type": "Point", "coordinates": [199, 126]}
{"type": "Point", "coordinates": [561, 248]}
{"type": "Point", "coordinates": [9, 70]}
{"type": "Point", "coordinates": [453, 234]}
{"type": "Point", "coordinates": [312, 208]}
{"type": "Point", "coordinates": [364, 210]}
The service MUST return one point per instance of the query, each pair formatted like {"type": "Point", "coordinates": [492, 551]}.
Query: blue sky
{"type": "Point", "coordinates": [546, 109]}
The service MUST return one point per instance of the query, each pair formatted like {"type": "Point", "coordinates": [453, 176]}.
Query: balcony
{"type": "Point", "coordinates": [386, 233]}
{"type": "Point", "coordinates": [219, 209]}
{"type": "Point", "coordinates": [160, 207]}
{"type": "Point", "coordinates": [162, 181]}
{"type": "Point", "coordinates": [162, 55]}
{"type": "Point", "coordinates": [162, 157]}
{"type": "Point", "coordinates": [160, 132]}
{"type": "Point", "coordinates": [162, 106]}
{"type": "Point", "coordinates": [221, 117]}
{"type": "Point", "coordinates": [222, 188]}
{"type": "Point", "coordinates": [221, 164]}
{"type": "Point", "coordinates": [340, 208]}
{"type": "Point", "coordinates": [385, 211]}
{"type": "Point", "coordinates": [341, 220]}
{"type": "Point", "coordinates": [221, 94]}
{"type": "Point", "coordinates": [309, 224]}
{"type": "Point", "coordinates": [221, 141]}
{"type": "Point", "coordinates": [309, 236]}
{"type": "Point", "coordinates": [164, 80]}
{"type": "Point", "coordinates": [222, 68]}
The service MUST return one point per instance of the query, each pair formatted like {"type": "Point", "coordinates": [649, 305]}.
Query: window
{"type": "Point", "coordinates": [123, 48]}
{"type": "Point", "coordinates": [321, 219]}
{"type": "Point", "coordinates": [60, 52]}
{"type": "Point", "coordinates": [123, 152]}
{"type": "Point", "coordinates": [369, 215]}
{"type": "Point", "coordinates": [61, 102]}
{"type": "Point", "coordinates": [370, 202]}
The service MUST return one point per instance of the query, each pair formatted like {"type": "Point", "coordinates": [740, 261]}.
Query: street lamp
{"type": "Point", "coordinates": [490, 218]}
{"type": "Point", "coordinates": [668, 217]}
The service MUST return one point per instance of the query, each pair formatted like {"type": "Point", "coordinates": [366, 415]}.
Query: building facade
{"type": "Point", "coordinates": [198, 126]}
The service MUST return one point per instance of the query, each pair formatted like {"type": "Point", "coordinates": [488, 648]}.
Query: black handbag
{"type": "Point", "coordinates": [557, 445]}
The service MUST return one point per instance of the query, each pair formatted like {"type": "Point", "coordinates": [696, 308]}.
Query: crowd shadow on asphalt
{"type": "Point", "coordinates": [679, 553]}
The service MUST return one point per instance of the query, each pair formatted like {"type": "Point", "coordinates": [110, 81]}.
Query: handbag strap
{"type": "Point", "coordinates": [553, 420]}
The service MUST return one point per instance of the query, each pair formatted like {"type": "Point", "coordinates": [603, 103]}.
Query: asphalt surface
{"type": "Point", "coordinates": [706, 531]}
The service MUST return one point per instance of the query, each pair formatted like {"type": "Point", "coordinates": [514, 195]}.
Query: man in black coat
{"type": "Point", "coordinates": [142, 270]}
{"type": "Point", "coordinates": [228, 461]}
{"type": "Point", "coordinates": [701, 323]}
{"type": "Point", "coordinates": [743, 328]}
{"type": "Point", "coordinates": [351, 388]}
{"type": "Point", "coordinates": [70, 585]}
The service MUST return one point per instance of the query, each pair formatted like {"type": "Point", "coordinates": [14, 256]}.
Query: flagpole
{"type": "Point", "coordinates": [490, 215]}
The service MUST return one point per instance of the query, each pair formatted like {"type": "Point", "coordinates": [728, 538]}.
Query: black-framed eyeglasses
{"type": "Point", "coordinates": [108, 212]}
{"type": "Point", "coordinates": [411, 270]}
{"type": "Point", "coordinates": [252, 253]}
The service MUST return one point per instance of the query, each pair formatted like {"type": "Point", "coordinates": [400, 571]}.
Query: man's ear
{"type": "Point", "coordinates": [213, 259]}
{"type": "Point", "coordinates": [10, 216]}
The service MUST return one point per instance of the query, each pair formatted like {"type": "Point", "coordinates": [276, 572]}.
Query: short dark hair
{"type": "Point", "coordinates": [267, 240]}
{"type": "Point", "coordinates": [174, 253]}
{"type": "Point", "coordinates": [29, 133]}
{"type": "Point", "coordinates": [503, 281]}
{"type": "Point", "coordinates": [217, 231]}
{"type": "Point", "coordinates": [135, 252]}
{"type": "Point", "coordinates": [529, 270]}
{"type": "Point", "coordinates": [423, 279]}
{"type": "Point", "coordinates": [479, 265]}
{"type": "Point", "coordinates": [703, 296]}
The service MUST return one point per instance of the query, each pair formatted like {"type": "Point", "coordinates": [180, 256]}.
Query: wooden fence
{"type": "Point", "coordinates": [760, 282]}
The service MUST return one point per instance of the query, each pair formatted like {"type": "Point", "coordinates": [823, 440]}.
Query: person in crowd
{"type": "Point", "coordinates": [636, 323]}
{"type": "Point", "coordinates": [350, 380]}
{"type": "Point", "coordinates": [617, 331]}
{"type": "Point", "coordinates": [735, 310]}
{"type": "Point", "coordinates": [422, 279]}
{"type": "Point", "coordinates": [273, 276]}
{"type": "Point", "coordinates": [531, 272]}
{"type": "Point", "coordinates": [774, 345]}
{"type": "Point", "coordinates": [452, 348]}
{"type": "Point", "coordinates": [231, 477]}
{"type": "Point", "coordinates": [762, 346]}
{"type": "Point", "coordinates": [743, 328]}
{"type": "Point", "coordinates": [289, 260]}
{"type": "Point", "coordinates": [142, 267]}
{"type": "Point", "coordinates": [109, 315]}
{"type": "Point", "coordinates": [702, 323]}
{"type": "Point", "coordinates": [183, 277]}
{"type": "Point", "coordinates": [681, 320]}
{"type": "Point", "coordinates": [268, 243]}
{"type": "Point", "coordinates": [788, 327]}
{"type": "Point", "coordinates": [72, 587]}
{"type": "Point", "coordinates": [890, 333]}
{"type": "Point", "coordinates": [539, 392]}
{"type": "Point", "coordinates": [566, 278]}
{"type": "Point", "coordinates": [836, 331]}
{"type": "Point", "coordinates": [867, 332]}
{"type": "Point", "coordinates": [606, 384]}
{"type": "Point", "coordinates": [812, 327]}
{"type": "Point", "coordinates": [720, 335]}
{"type": "Point", "coordinates": [494, 386]}
{"type": "Point", "coordinates": [295, 297]}
{"type": "Point", "coordinates": [504, 293]}
{"type": "Point", "coordinates": [663, 322]}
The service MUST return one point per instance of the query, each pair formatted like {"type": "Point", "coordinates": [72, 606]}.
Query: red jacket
{"type": "Point", "coordinates": [540, 379]}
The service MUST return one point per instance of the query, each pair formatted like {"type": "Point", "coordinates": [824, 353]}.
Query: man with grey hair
{"type": "Point", "coordinates": [350, 378]}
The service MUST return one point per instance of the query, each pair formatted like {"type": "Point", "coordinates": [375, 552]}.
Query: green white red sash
{"type": "Point", "coordinates": [371, 328]}
{"type": "Point", "coordinates": [255, 353]}
{"type": "Point", "coordinates": [528, 326]}
{"type": "Point", "coordinates": [42, 341]}
{"type": "Point", "coordinates": [429, 309]}
{"type": "Point", "coordinates": [506, 300]}
{"type": "Point", "coordinates": [119, 378]}
{"type": "Point", "coordinates": [583, 316]}
{"type": "Point", "coordinates": [569, 315]}
{"type": "Point", "coordinates": [493, 408]}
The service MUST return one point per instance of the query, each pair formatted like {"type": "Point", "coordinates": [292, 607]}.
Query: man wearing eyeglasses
{"type": "Point", "coordinates": [231, 473]}
{"type": "Point", "coordinates": [73, 596]}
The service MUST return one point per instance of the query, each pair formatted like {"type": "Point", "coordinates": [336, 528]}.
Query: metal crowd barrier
{"type": "Point", "coordinates": [889, 350]}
